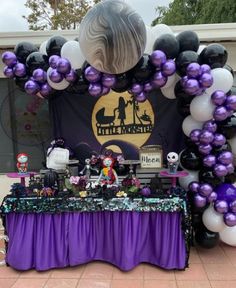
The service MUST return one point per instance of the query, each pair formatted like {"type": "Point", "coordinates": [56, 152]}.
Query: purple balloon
{"type": "Point", "coordinates": [53, 61]}
{"type": "Point", "coordinates": [95, 89]}
{"type": "Point", "coordinates": [145, 191]}
{"type": "Point", "coordinates": [40, 75]}
{"type": "Point", "coordinates": [218, 97]}
{"type": "Point", "coordinates": [45, 90]}
{"type": "Point", "coordinates": [206, 80]}
{"type": "Point", "coordinates": [232, 206]}
{"type": "Point", "coordinates": [193, 70]}
{"type": "Point", "coordinates": [194, 135]}
{"type": "Point", "coordinates": [230, 219]}
{"type": "Point", "coordinates": [105, 90]}
{"type": "Point", "coordinates": [191, 86]}
{"type": "Point", "coordinates": [221, 206]}
{"type": "Point", "coordinates": [230, 168]}
{"type": "Point", "coordinates": [220, 170]}
{"type": "Point", "coordinates": [212, 197]}
{"type": "Point", "coordinates": [225, 157]}
{"type": "Point", "coordinates": [55, 76]}
{"type": "Point", "coordinates": [194, 186]}
{"type": "Point", "coordinates": [147, 87]}
{"type": "Point", "coordinates": [200, 91]}
{"type": "Point", "coordinates": [226, 192]}
{"type": "Point", "coordinates": [205, 189]}
{"type": "Point", "coordinates": [92, 74]}
{"type": "Point", "coordinates": [210, 126]}
{"type": "Point", "coordinates": [220, 113]}
{"type": "Point", "coordinates": [209, 160]}
{"type": "Point", "coordinates": [19, 70]}
{"type": "Point", "coordinates": [137, 88]}
{"type": "Point", "coordinates": [168, 68]}
{"type": "Point", "coordinates": [199, 200]}
{"type": "Point", "coordinates": [205, 69]}
{"type": "Point", "coordinates": [63, 66]}
{"type": "Point", "coordinates": [32, 87]}
{"type": "Point", "coordinates": [9, 59]}
{"type": "Point", "coordinates": [219, 140]}
{"type": "Point", "coordinates": [206, 137]}
{"type": "Point", "coordinates": [231, 102]}
{"type": "Point", "coordinates": [141, 97]}
{"type": "Point", "coordinates": [158, 58]}
{"type": "Point", "coordinates": [159, 80]}
{"type": "Point", "coordinates": [108, 80]}
{"type": "Point", "coordinates": [205, 149]}
{"type": "Point", "coordinates": [8, 72]}
{"type": "Point", "coordinates": [71, 76]}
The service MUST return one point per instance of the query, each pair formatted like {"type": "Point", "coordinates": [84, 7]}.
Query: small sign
{"type": "Point", "coordinates": [151, 156]}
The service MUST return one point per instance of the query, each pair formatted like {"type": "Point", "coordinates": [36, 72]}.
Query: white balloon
{"type": "Point", "coordinates": [202, 108]}
{"type": "Point", "coordinates": [72, 52]}
{"type": "Point", "coordinates": [150, 40]}
{"type": "Point", "coordinates": [169, 89]}
{"type": "Point", "coordinates": [222, 80]}
{"type": "Point", "coordinates": [192, 176]}
{"type": "Point", "coordinates": [228, 235]}
{"type": "Point", "coordinates": [42, 48]}
{"type": "Point", "coordinates": [190, 124]}
{"type": "Point", "coordinates": [213, 220]}
{"type": "Point", "coordinates": [201, 47]}
{"type": "Point", "coordinates": [57, 86]}
{"type": "Point", "coordinates": [161, 29]}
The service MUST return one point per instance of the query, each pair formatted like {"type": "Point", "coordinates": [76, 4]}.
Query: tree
{"type": "Point", "coordinates": [56, 14]}
{"type": "Point", "coordinates": [184, 12]}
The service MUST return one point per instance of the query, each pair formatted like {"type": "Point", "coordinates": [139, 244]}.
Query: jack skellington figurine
{"type": "Point", "coordinates": [88, 168]}
{"type": "Point", "coordinates": [173, 163]}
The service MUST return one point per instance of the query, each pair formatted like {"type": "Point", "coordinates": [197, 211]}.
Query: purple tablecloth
{"type": "Point", "coordinates": [125, 239]}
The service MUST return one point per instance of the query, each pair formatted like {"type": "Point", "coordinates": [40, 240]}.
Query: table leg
{"type": "Point", "coordinates": [22, 181]}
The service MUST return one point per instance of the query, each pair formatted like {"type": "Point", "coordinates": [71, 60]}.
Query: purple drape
{"type": "Point", "coordinates": [125, 239]}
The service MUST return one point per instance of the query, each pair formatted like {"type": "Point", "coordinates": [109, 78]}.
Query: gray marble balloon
{"type": "Point", "coordinates": [112, 37]}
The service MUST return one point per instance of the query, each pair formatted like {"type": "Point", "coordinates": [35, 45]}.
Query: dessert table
{"type": "Point", "coordinates": [46, 233]}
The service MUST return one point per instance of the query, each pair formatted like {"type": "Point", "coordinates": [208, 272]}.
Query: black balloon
{"type": "Point", "coordinates": [215, 55]}
{"type": "Point", "coordinates": [225, 147]}
{"type": "Point", "coordinates": [188, 40]}
{"type": "Point", "coordinates": [232, 91]}
{"type": "Point", "coordinates": [23, 50]}
{"type": "Point", "coordinates": [190, 159]}
{"type": "Point", "coordinates": [228, 127]}
{"type": "Point", "coordinates": [54, 45]}
{"type": "Point", "coordinates": [20, 82]}
{"type": "Point", "coordinates": [206, 238]}
{"type": "Point", "coordinates": [183, 60]}
{"type": "Point", "coordinates": [123, 83]}
{"type": "Point", "coordinates": [168, 44]}
{"type": "Point", "coordinates": [207, 176]}
{"type": "Point", "coordinates": [196, 219]}
{"type": "Point", "coordinates": [143, 70]}
{"type": "Point", "coordinates": [36, 60]}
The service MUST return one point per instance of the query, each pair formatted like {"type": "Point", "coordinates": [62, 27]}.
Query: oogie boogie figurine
{"type": "Point", "coordinates": [22, 162]}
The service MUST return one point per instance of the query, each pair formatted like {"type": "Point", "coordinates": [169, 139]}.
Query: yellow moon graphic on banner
{"type": "Point", "coordinates": [117, 116]}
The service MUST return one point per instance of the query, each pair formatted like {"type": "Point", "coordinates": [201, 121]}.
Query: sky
{"type": "Point", "coordinates": [11, 12]}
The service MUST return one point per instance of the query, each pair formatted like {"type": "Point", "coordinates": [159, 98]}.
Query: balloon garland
{"type": "Point", "coordinates": [196, 76]}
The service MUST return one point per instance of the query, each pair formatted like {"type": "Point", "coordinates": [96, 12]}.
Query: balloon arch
{"type": "Point", "coordinates": [115, 51]}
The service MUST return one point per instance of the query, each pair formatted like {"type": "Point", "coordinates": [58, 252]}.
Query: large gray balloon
{"type": "Point", "coordinates": [112, 37]}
